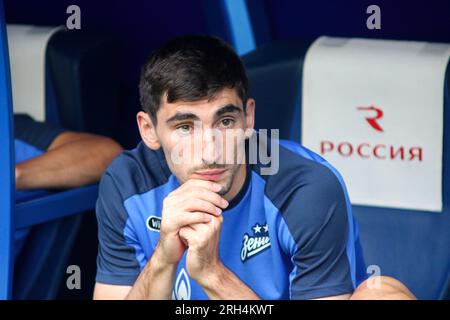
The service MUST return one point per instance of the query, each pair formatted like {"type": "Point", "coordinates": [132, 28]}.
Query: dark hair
{"type": "Point", "coordinates": [190, 68]}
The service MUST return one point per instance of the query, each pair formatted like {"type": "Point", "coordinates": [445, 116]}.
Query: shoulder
{"type": "Point", "coordinates": [311, 197]}
{"type": "Point", "coordinates": [136, 171]}
{"type": "Point", "coordinates": [305, 177]}
{"type": "Point", "coordinates": [132, 172]}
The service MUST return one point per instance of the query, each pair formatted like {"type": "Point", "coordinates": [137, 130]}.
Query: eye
{"type": "Point", "coordinates": [184, 129]}
{"type": "Point", "coordinates": [226, 123]}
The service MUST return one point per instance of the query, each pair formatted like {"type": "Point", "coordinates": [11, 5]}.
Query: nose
{"type": "Point", "coordinates": [211, 146]}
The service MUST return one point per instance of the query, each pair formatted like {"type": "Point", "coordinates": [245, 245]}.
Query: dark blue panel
{"type": "Point", "coordinates": [400, 19]}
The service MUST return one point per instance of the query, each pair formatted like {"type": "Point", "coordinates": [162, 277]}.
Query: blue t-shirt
{"type": "Point", "coordinates": [287, 236]}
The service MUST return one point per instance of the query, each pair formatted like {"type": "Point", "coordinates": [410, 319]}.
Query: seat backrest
{"type": "Point", "coordinates": [82, 75]}
{"type": "Point", "coordinates": [413, 246]}
{"type": "Point", "coordinates": [409, 245]}
{"type": "Point", "coordinates": [275, 73]}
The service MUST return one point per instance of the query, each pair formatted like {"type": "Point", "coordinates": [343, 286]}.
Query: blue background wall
{"type": "Point", "coordinates": [400, 19]}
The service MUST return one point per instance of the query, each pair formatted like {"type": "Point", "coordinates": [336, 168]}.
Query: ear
{"type": "Point", "coordinates": [249, 117]}
{"type": "Point", "coordinates": [147, 130]}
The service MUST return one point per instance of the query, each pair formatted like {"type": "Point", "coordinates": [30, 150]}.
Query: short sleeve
{"type": "Point", "coordinates": [317, 219]}
{"type": "Point", "coordinates": [116, 260]}
{"type": "Point", "coordinates": [37, 134]}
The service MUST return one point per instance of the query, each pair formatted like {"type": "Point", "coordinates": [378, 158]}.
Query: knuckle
{"type": "Point", "coordinates": [194, 191]}
{"type": "Point", "coordinates": [203, 192]}
{"type": "Point", "coordinates": [167, 200]}
{"type": "Point", "coordinates": [186, 204]}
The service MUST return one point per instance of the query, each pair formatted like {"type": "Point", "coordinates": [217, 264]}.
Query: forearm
{"type": "Point", "coordinates": [225, 285]}
{"type": "Point", "coordinates": [72, 164]}
{"type": "Point", "coordinates": [155, 282]}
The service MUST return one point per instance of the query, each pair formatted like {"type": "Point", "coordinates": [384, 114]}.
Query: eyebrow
{"type": "Point", "coordinates": [230, 108]}
{"type": "Point", "coordinates": [183, 116]}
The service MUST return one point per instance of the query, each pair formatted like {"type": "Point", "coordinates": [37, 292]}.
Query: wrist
{"type": "Point", "coordinates": [156, 280]}
{"type": "Point", "coordinates": [159, 260]}
{"type": "Point", "coordinates": [213, 277]}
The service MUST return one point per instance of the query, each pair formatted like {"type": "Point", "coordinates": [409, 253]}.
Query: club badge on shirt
{"type": "Point", "coordinates": [256, 243]}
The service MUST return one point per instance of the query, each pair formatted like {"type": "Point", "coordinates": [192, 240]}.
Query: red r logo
{"type": "Point", "coordinates": [373, 120]}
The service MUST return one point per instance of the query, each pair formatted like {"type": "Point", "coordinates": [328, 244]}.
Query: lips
{"type": "Point", "coordinates": [211, 175]}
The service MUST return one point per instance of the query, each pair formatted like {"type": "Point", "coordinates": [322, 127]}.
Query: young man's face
{"type": "Point", "coordinates": [202, 139]}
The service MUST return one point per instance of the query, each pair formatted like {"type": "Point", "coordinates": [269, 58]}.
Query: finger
{"type": "Point", "coordinates": [186, 234]}
{"type": "Point", "coordinates": [207, 195]}
{"type": "Point", "coordinates": [173, 199]}
{"type": "Point", "coordinates": [193, 204]}
{"type": "Point", "coordinates": [210, 185]}
{"type": "Point", "coordinates": [199, 227]}
{"type": "Point", "coordinates": [187, 218]}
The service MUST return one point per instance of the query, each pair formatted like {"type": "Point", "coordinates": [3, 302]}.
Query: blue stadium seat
{"type": "Point", "coordinates": [81, 88]}
{"type": "Point", "coordinates": [409, 245]}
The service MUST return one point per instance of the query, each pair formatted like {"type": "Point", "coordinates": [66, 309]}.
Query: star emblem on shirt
{"type": "Point", "coordinates": [266, 228]}
{"type": "Point", "coordinates": [257, 228]}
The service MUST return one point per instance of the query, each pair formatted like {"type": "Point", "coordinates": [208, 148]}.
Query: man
{"type": "Point", "coordinates": [208, 228]}
{"type": "Point", "coordinates": [49, 157]}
